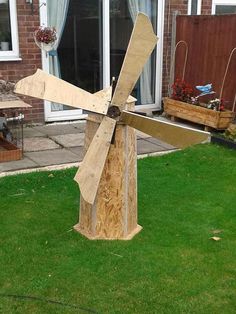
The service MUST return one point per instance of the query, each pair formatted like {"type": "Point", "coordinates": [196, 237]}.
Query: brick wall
{"type": "Point", "coordinates": [30, 54]}
{"type": "Point", "coordinates": [170, 7]}
{"type": "Point", "coordinates": [206, 7]}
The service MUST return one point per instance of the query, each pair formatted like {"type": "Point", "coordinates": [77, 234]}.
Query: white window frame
{"type": "Point", "coordinates": [77, 114]}
{"type": "Point", "coordinates": [199, 7]}
{"type": "Point", "coordinates": [12, 55]}
{"type": "Point", "coordinates": [221, 2]}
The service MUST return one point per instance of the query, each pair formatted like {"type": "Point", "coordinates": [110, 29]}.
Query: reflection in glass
{"type": "Point", "coordinates": [5, 27]}
{"type": "Point", "coordinates": [225, 9]}
{"type": "Point", "coordinates": [122, 17]}
{"type": "Point", "coordinates": [80, 48]}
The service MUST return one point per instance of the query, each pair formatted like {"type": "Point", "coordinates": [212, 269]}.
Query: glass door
{"type": "Point", "coordinates": [93, 45]}
{"type": "Point", "coordinates": [122, 18]}
{"type": "Point", "coordinates": [80, 49]}
{"type": "Point", "coordinates": [79, 53]}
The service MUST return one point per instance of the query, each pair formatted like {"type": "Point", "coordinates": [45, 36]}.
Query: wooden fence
{"type": "Point", "coordinates": [210, 40]}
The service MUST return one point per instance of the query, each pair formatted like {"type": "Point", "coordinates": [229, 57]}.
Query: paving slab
{"type": "Point", "coordinates": [79, 151]}
{"type": "Point", "coordinates": [156, 141]}
{"type": "Point", "coordinates": [52, 157]}
{"type": "Point", "coordinates": [141, 134]}
{"type": "Point", "coordinates": [24, 163]}
{"type": "Point", "coordinates": [32, 132]}
{"type": "Point", "coordinates": [36, 144]}
{"type": "Point", "coordinates": [69, 140]}
{"type": "Point", "coordinates": [145, 147]}
{"type": "Point", "coordinates": [80, 126]}
{"type": "Point", "coordinates": [59, 129]}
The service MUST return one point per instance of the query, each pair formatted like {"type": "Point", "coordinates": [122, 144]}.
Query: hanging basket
{"type": "Point", "coordinates": [45, 38]}
{"type": "Point", "coordinates": [45, 47]}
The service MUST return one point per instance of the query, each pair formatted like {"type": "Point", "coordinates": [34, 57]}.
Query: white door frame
{"type": "Point", "coordinates": [77, 114]}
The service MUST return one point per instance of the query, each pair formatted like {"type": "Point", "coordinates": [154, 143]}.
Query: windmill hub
{"type": "Point", "coordinates": [113, 112]}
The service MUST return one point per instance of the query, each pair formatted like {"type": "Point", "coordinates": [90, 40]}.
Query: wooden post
{"type": "Point", "coordinates": [114, 212]}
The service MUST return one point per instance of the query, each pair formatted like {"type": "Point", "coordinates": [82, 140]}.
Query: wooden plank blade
{"type": "Point", "coordinates": [168, 132]}
{"type": "Point", "coordinates": [142, 42]}
{"type": "Point", "coordinates": [89, 174]}
{"type": "Point", "coordinates": [49, 87]}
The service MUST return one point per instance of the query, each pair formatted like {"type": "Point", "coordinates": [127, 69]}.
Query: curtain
{"type": "Point", "coordinates": [144, 6]}
{"type": "Point", "coordinates": [56, 13]}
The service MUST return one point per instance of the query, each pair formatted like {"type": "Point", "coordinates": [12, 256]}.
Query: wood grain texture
{"type": "Point", "coordinates": [105, 94]}
{"type": "Point", "coordinates": [216, 119]}
{"type": "Point", "coordinates": [48, 87]}
{"type": "Point", "coordinates": [173, 134]}
{"type": "Point", "coordinates": [110, 203]}
{"type": "Point", "coordinates": [131, 179]}
{"type": "Point", "coordinates": [113, 215]}
{"type": "Point", "coordinates": [142, 42]}
{"type": "Point", "coordinates": [9, 151]}
{"type": "Point", "coordinates": [89, 173]}
{"type": "Point", "coordinates": [13, 104]}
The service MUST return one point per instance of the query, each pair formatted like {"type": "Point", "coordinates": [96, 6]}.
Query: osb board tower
{"type": "Point", "coordinates": [210, 118]}
{"type": "Point", "coordinates": [114, 212]}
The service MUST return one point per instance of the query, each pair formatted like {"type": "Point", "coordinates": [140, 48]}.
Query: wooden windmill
{"type": "Point", "coordinates": [107, 177]}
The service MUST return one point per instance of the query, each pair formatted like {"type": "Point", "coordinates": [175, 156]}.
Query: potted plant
{"type": "Point", "coordinates": [183, 104]}
{"type": "Point", "coordinates": [4, 40]}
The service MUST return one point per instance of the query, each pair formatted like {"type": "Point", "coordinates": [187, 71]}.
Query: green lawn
{"type": "Point", "coordinates": [172, 266]}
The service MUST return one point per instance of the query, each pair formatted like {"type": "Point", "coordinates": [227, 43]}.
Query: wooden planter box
{"type": "Point", "coordinates": [219, 120]}
{"type": "Point", "coordinates": [9, 151]}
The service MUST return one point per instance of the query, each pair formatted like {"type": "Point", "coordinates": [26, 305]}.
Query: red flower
{"type": "Point", "coordinates": [182, 91]}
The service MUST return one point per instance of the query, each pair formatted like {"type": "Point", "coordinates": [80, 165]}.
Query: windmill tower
{"type": "Point", "coordinates": [107, 177]}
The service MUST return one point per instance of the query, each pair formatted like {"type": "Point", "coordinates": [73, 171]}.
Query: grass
{"type": "Point", "coordinates": [172, 266]}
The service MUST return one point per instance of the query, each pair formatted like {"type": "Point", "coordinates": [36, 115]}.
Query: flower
{"type": "Point", "coordinates": [182, 91]}
{"type": "Point", "coordinates": [46, 35]}
{"type": "Point", "coordinates": [216, 104]}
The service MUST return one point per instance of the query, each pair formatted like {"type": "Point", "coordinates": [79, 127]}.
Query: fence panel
{"type": "Point", "coordinates": [210, 40]}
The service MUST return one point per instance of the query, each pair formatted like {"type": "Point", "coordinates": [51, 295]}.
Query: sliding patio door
{"type": "Point", "coordinates": [122, 18]}
{"type": "Point", "coordinates": [93, 41]}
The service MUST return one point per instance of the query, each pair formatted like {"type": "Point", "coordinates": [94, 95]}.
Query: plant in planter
{"type": "Point", "coordinates": [183, 104]}
{"type": "Point", "coordinates": [182, 91]}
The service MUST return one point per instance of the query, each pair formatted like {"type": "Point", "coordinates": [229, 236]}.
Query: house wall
{"type": "Point", "coordinates": [30, 55]}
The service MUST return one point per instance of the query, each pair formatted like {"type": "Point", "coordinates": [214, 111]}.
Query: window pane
{"type": "Point", "coordinates": [5, 28]}
{"type": "Point", "coordinates": [80, 48]}
{"type": "Point", "coordinates": [194, 7]}
{"type": "Point", "coordinates": [122, 17]}
{"type": "Point", "coordinates": [225, 9]}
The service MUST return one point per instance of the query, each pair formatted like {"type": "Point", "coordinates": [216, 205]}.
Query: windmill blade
{"type": "Point", "coordinates": [49, 87]}
{"type": "Point", "coordinates": [89, 174]}
{"type": "Point", "coordinates": [173, 134]}
{"type": "Point", "coordinates": [142, 42]}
